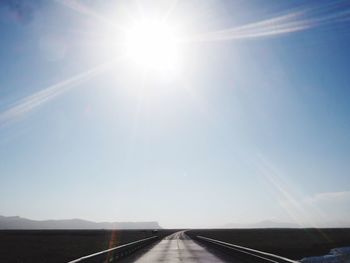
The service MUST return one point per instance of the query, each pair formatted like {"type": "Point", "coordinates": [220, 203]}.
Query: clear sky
{"type": "Point", "coordinates": [190, 113]}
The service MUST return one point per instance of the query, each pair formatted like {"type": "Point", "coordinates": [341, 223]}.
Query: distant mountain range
{"type": "Point", "coordinates": [16, 222]}
{"type": "Point", "coordinates": [263, 224]}
{"type": "Point", "coordinates": [278, 224]}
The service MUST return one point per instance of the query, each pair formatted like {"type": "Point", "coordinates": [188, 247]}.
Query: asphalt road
{"type": "Point", "coordinates": [177, 247]}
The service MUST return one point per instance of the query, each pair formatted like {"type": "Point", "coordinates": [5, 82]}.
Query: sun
{"type": "Point", "coordinates": [153, 45]}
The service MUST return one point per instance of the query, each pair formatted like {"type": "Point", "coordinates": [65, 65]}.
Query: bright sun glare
{"type": "Point", "coordinates": [153, 45]}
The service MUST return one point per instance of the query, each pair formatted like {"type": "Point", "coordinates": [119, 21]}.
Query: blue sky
{"type": "Point", "coordinates": [254, 124]}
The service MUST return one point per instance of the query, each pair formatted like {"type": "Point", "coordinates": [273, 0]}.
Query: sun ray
{"type": "Point", "coordinates": [39, 98]}
{"type": "Point", "coordinates": [299, 20]}
{"type": "Point", "coordinates": [83, 9]}
{"type": "Point", "coordinates": [170, 10]}
{"type": "Point", "coordinates": [287, 198]}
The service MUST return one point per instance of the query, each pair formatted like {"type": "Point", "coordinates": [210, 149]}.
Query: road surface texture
{"type": "Point", "coordinates": [177, 247]}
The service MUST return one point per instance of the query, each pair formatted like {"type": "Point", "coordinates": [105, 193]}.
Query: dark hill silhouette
{"type": "Point", "coordinates": [16, 222]}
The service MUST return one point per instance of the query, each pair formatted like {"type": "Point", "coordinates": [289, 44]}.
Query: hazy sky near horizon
{"type": "Point", "coordinates": [253, 123]}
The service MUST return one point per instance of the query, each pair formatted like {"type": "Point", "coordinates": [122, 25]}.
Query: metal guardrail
{"type": "Point", "coordinates": [113, 254]}
{"type": "Point", "coordinates": [244, 253]}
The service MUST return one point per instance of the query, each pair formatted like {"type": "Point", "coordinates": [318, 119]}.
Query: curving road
{"type": "Point", "coordinates": [177, 247]}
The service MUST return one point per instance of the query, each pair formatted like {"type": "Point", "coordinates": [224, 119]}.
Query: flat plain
{"type": "Point", "coordinates": [290, 243]}
{"type": "Point", "coordinates": [59, 246]}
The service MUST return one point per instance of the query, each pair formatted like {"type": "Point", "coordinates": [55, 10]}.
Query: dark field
{"type": "Point", "coordinates": [291, 243]}
{"type": "Point", "coordinates": [58, 246]}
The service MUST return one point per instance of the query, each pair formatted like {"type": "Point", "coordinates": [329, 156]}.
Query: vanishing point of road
{"type": "Point", "coordinates": [177, 247]}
